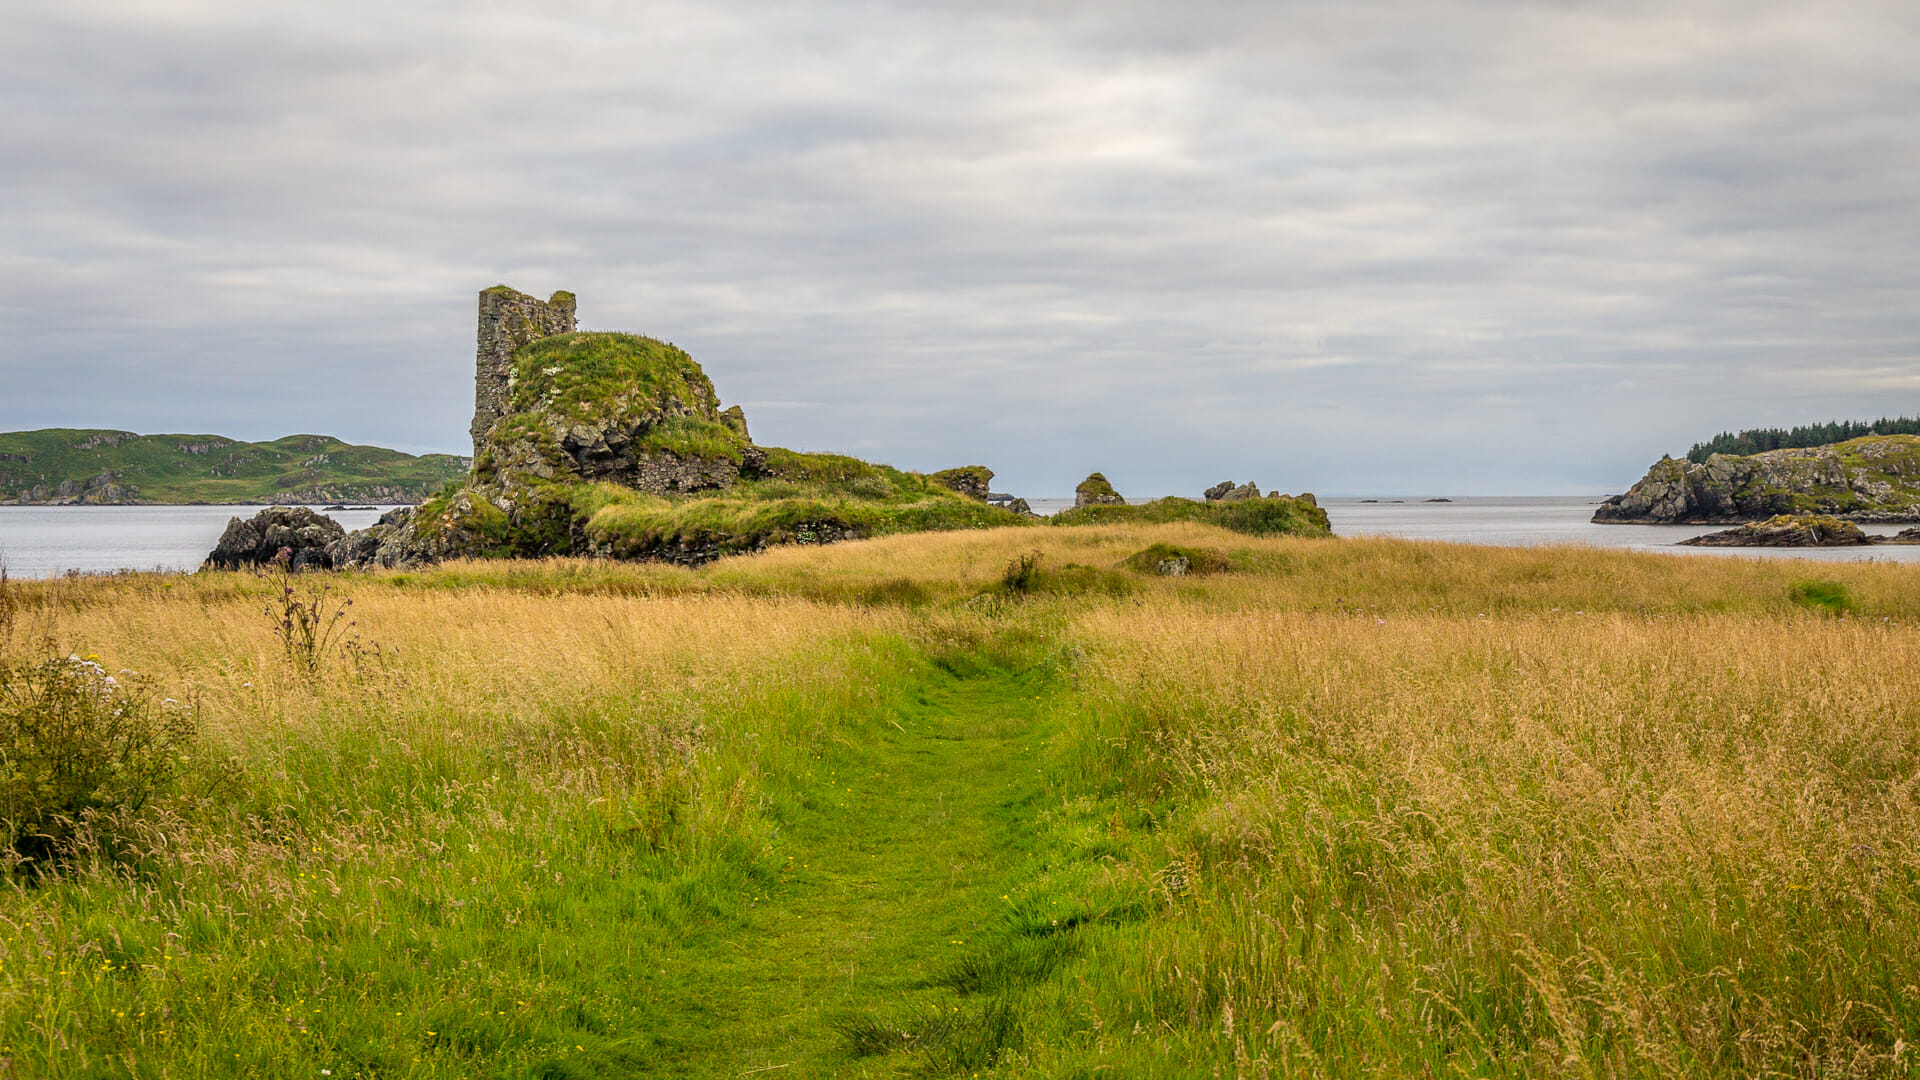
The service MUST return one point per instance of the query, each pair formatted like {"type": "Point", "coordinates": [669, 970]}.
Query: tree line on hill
{"type": "Point", "coordinates": [1757, 440]}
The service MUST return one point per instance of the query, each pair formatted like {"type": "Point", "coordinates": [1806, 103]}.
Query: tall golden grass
{"type": "Point", "coordinates": [1539, 843]}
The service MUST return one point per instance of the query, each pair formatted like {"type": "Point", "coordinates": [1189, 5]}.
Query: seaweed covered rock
{"type": "Point", "coordinates": [1870, 479]}
{"type": "Point", "coordinates": [1095, 491]}
{"type": "Point", "coordinates": [1787, 530]}
{"type": "Point", "coordinates": [258, 540]}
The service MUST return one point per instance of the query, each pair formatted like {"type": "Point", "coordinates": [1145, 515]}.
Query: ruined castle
{"type": "Point", "coordinates": [508, 320]}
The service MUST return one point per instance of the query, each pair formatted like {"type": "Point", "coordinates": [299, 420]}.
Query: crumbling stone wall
{"type": "Point", "coordinates": [508, 320]}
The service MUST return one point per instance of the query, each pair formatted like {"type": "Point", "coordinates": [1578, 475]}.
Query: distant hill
{"type": "Point", "coordinates": [62, 466]}
{"type": "Point", "coordinates": [1761, 440]}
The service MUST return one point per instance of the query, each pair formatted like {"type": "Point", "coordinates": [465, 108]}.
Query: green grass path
{"type": "Point", "coordinates": [904, 858]}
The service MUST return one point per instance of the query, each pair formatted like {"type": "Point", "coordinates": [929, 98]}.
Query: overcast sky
{"type": "Point", "coordinates": [1394, 247]}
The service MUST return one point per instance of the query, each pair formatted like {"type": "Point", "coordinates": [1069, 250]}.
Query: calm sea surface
{"type": "Point", "coordinates": [1525, 521]}
{"type": "Point", "coordinates": [46, 541]}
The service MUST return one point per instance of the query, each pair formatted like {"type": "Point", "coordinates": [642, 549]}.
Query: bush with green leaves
{"type": "Point", "coordinates": [73, 739]}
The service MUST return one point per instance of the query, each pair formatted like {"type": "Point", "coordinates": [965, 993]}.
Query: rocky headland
{"type": "Point", "coordinates": [90, 467]}
{"type": "Point", "coordinates": [1875, 479]}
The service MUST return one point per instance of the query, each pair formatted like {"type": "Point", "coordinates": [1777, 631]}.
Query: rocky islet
{"type": "Point", "coordinates": [1874, 479]}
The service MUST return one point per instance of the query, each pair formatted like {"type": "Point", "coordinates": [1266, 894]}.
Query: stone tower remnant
{"type": "Point", "coordinates": [508, 320]}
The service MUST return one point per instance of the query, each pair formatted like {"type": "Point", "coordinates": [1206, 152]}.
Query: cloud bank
{"type": "Point", "coordinates": [1406, 247]}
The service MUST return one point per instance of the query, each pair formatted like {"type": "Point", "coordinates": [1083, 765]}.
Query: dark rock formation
{"type": "Point", "coordinates": [968, 480]}
{"type": "Point", "coordinates": [1225, 491]}
{"type": "Point", "coordinates": [1871, 479]}
{"type": "Point", "coordinates": [1010, 502]}
{"type": "Point", "coordinates": [303, 534]}
{"type": "Point", "coordinates": [1095, 491]}
{"type": "Point", "coordinates": [1788, 530]}
{"type": "Point", "coordinates": [1904, 536]}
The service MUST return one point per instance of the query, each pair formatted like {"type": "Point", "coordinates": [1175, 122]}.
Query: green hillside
{"type": "Point", "coordinates": [71, 465]}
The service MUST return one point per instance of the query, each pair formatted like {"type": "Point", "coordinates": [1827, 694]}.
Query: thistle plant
{"type": "Point", "coordinates": [306, 618]}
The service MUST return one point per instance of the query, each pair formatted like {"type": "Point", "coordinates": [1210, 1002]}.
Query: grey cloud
{"type": "Point", "coordinates": [1409, 247]}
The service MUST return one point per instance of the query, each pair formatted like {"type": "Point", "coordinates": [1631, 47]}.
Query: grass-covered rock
{"type": "Point", "coordinates": [1274, 515]}
{"type": "Point", "coordinates": [1176, 560]}
{"type": "Point", "coordinates": [1096, 491]}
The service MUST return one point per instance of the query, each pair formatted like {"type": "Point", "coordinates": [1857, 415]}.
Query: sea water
{"type": "Point", "coordinates": [47, 541]}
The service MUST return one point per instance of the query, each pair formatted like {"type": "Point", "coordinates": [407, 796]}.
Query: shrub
{"type": "Point", "coordinates": [1021, 575]}
{"type": "Point", "coordinates": [74, 738]}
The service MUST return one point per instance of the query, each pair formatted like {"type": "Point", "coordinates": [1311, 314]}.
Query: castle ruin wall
{"type": "Point", "coordinates": [508, 320]}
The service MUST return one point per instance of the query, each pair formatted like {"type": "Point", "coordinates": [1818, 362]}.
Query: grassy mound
{"type": "Point", "coordinates": [621, 384]}
{"type": "Point", "coordinates": [804, 499]}
{"type": "Point", "coordinates": [1163, 558]}
{"type": "Point", "coordinates": [1276, 516]}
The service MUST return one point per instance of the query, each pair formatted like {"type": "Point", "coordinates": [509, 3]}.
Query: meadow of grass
{"type": "Point", "coordinates": [1000, 803]}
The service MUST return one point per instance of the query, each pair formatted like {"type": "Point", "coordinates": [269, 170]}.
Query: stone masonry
{"type": "Point", "coordinates": [508, 320]}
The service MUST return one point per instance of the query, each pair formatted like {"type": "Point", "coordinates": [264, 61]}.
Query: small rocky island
{"type": "Point", "coordinates": [1800, 530]}
{"type": "Point", "coordinates": [1874, 479]}
{"type": "Point", "coordinates": [1788, 530]}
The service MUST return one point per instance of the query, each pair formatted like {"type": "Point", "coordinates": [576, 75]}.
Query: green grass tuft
{"type": "Point", "coordinates": [1828, 596]}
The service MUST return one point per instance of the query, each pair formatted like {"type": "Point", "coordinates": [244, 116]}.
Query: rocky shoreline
{"type": "Point", "coordinates": [1870, 480]}
{"type": "Point", "coordinates": [1800, 530]}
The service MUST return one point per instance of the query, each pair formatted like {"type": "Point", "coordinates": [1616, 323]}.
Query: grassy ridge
{"type": "Point", "coordinates": [878, 809]}
{"type": "Point", "coordinates": [119, 466]}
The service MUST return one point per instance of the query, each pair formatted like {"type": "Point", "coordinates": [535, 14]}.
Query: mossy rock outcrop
{"type": "Point", "coordinates": [1870, 479]}
{"type": "Point", "coordinates": [613, 407]}
{"type": "Point", "coordinates": [1095, 491]}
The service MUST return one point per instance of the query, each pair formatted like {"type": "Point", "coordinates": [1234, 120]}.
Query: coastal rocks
{"type": "Point", "coordinates": [1012, 503]}
{"type": "Point", "coordinates": [1095, 491]}
{"type": "Point", "coordinates": [968, 480]}
{"type": "Point", "coordinates": [380, 544]}
{"type": "Point", "coordinates": [1788, 530]}
{"type": "Point", "coordinates": [304, 534]}
{"type": "Point", "coordinates": [1225, 491]}
{"type": "Point", "coordinates": [1871, 479]}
